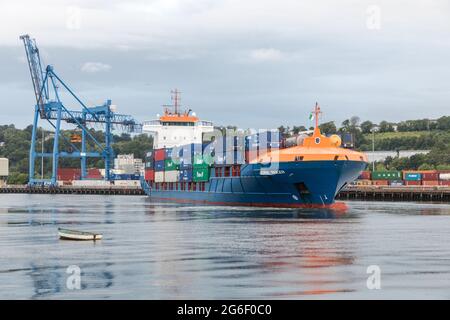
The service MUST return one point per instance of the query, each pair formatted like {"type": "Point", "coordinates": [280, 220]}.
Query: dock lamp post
{"type": "Point", "coordinates": [374, 128]}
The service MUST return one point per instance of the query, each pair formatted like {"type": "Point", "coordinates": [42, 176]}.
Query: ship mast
{"type": "Point", "coordinates": [317, 112]}
{"type": "Point", "coordinates": [176, 99]}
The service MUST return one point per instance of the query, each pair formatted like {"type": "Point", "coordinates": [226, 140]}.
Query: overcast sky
{"type": "Point", "coordinates": [253, 63]}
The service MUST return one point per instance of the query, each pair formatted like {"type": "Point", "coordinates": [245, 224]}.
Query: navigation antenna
{"type": "Point", "coordinates": [317, 113]}
{"type": "Point", "coordinates": [175, 99]}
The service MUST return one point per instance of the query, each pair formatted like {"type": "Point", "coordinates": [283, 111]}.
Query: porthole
{"type": "Point", "coordinates": [317, 140]}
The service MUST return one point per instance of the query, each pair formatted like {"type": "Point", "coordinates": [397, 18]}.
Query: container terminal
{"type": "Point", "coordinates": [256, 168]}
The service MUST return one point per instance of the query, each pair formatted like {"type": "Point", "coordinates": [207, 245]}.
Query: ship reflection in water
{"type": "Point", "coordinates": [161, 250]}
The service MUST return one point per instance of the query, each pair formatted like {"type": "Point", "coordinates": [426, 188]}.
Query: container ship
{"type": "Point", "coordinates": [192, 162]}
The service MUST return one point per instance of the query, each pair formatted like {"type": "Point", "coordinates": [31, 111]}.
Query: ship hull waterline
{"type": "Point", "coordinates": [307, 184]}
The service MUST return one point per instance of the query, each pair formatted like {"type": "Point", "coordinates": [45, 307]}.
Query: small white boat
{"type": "Point", "coordinates": [66, 234]}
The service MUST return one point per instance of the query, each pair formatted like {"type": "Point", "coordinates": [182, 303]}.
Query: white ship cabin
{"type": "Point", "coordinates": [175, 128]}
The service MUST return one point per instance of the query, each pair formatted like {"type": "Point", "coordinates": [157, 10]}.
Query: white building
{"type": "Point", "coordinates": [4, 170]}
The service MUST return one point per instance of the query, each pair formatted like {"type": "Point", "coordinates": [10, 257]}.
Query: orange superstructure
{"type": "Point", "coordinates": [313, 148]}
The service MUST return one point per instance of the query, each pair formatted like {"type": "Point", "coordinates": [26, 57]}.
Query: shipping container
{"type": "Point", "coordinates": [186, 175]}
{"type": "Point", "coordinates": [191, 149]}
{"type": "Point", "coordinates": [125, 176]}
{"type": "Point", "coordinates": [365, 175]}
{"type": "Point", "coordinates": [386, 175]}
{"type": "Point", "coordinates": [94, 174]}
{"type": "Point", "coordinates": [160, 154]}
{"type": "Point", "coordinates": [91, 183]}
{"type": "Point", "coordinates": [238, 157]}
{"type": "Point", "coordinates": [396, 183]}
{"type": "Point", "coordinates": [413, 182]}
{"type": "Point", "coordinates": [444, 182]}
{"type": "Point", "coordinates": [127, 183]}
{"type": "Point", "coordinates": [364, 182]}
{"type": "Point", "coordinates": [168, 153]}
{"type": "Point", "coordinates": [149, 154]}
{"type": "Point", "coordinates": [159, 165]}
{"type": "Point", "coordinates": [67, 174]}
{"type": "Point", "coordinates": [430, 182]}
{"type": "Point", "coordinates": [149, 164]}
{"type": "Point", "coordinates": [185, 166]}
{"type": "Point", "coordinates": [444, 176]}
{"type": "Point", "coordinates": [430, 176]}
{"type": "Point", "coordinates": [171, 176]}
{"type": "Point", "coordinates": [380, 182]}
{"type": "Point", "coordinates": [202, 161]}
{"type": "Point", "coordinates": [412, 176]}
{"type": "Point", "coordinates": [170, 165]}
{"type": "Point", "coordinates": [200, 174]}
{"type": "Point", "coordinates": [159, 176]}
{"type": "Point", "coordinates": [149, 175]}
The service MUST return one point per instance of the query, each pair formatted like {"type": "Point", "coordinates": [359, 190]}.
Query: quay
{"type": "Point", "coordinates": [110, 190]}
{"type": "Point", "coordinates": [377, 193]}
{"type": "Point", "coordinates": [390, 193]}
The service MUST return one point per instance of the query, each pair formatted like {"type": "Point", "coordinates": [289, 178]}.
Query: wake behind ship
{"type": "Point", "coordinates": [241, 168]}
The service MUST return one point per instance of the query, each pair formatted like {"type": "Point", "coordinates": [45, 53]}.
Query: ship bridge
{"type": "Point", "coordinates": [175, 128]}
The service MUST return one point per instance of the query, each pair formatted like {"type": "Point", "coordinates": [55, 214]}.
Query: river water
{"type": "Point", "coordinates": [167, 251]}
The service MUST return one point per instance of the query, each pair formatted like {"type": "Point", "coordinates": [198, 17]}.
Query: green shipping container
{"type": "Point", "coordinates": [200, 174]}
{"type": "Point", "coordinates": [386, 175]}
{"type": "Point", "coordinates": [170, 165]}
{"type": "Point", "coordinates": [202, 161]}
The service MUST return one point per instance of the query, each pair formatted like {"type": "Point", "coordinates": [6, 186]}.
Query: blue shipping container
{"type": "Point", "coordinates": [159, 165]}
{"type": "Point", "coordinates": [186, 175]}
{"type": "Point", "coordinates": [168, 152]}
{"type": "Point", "coordinates": [413, 176]}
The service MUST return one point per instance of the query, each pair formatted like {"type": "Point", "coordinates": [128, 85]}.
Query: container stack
{"type": "Point", "coordinates": [428, 178]}
{"type": "Point", "coordinates": [149, 163]}
{"type": "Point", "coordinates": [260, 143]}
{"type": "Point", "coordinates": [160, 157]}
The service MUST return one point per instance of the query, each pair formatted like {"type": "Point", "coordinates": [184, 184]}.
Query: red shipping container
{"type": "Point", "coordinates": [68, 174]}
{"type": "Point", "coordinates": [149, 175]}
{"type": "Point", "coordinates": [365, 175]}
{"type": "Point", "coordinates": [430, 182]}
{"type": "Point", "coordinates": [160, 154]}
{"type": "Point", "coordinates": [430, 176]}
{"type": "Point", "coordinates": [94, 174]}
{"type": "Point", "coordinates": [445, 182]}
{"type": "Point", "coordinates": [380, 182]}
{"type": "Point", "coordinates": [413, 182]}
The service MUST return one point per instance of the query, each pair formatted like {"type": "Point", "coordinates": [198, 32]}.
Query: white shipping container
{"type": "Point", "coordinates": [127, 183]}
{"type": "Point", "coordinates": [171, 176]}
{"type": "Point", "coordinates": [159, 176]}
{"type": "Point", "coordinates": [4, 167]}
{"type": "Point", "coordinates": [444, 176]}
{"type": "Point", "coordinates": [91, 183]}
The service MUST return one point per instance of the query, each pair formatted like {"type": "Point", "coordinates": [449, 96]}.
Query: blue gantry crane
{"type": "Point", "coordinates": [49, 107]}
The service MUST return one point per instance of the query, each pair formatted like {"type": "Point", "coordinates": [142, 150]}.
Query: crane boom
{"type": "Point", "coordinates": [37, 76]}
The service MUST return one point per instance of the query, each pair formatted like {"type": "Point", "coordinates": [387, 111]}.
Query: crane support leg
{"type": "Point", "coordinates": [33, 145]}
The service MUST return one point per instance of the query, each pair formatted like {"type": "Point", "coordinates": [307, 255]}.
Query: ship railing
{"type": "Point", "coordinates": [205, 123]}
{"type": "Point", "coordinates": [151, 123]}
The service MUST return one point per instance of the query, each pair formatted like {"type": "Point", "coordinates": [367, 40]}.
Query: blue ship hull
{"type": "Point", "coordinates": [292, 184]}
